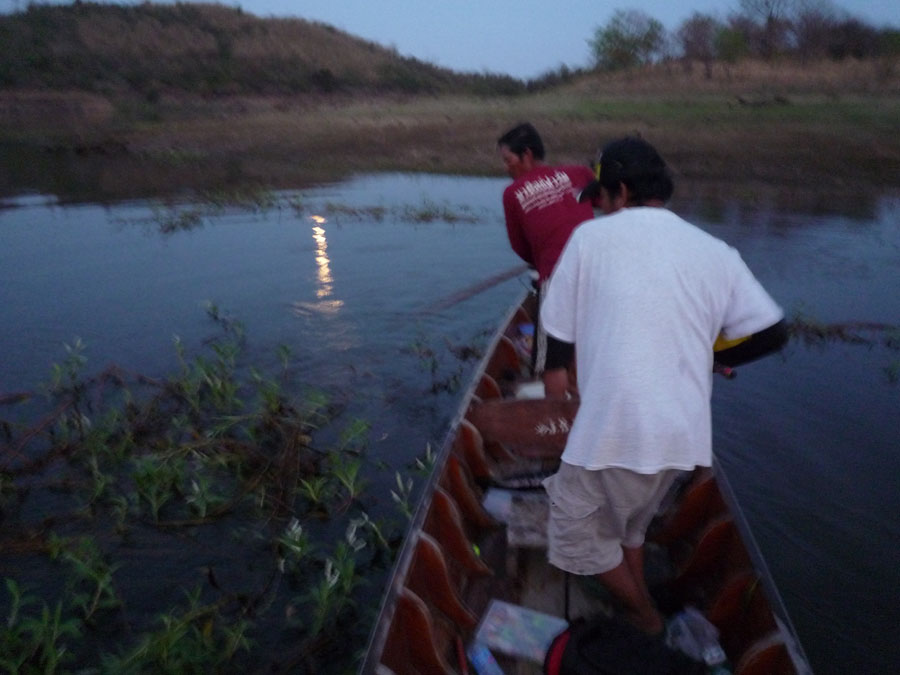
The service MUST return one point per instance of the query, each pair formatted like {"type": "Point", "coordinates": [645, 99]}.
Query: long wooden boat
{"type": "Point", "coordinates": [477, 539]}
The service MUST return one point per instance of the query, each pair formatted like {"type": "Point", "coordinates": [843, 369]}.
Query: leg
{"type": "Point", "coordinates": [626, 583]}
{"type": "Point", "coordinates": [556, 383]}
{"type": "Point", "coordinates": [634, 558]}
{"type": "Point", "coordinates": [559, 369]}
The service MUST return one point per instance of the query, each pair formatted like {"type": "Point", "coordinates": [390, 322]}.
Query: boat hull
{"type": "Point", "coordinates": [478, 537]}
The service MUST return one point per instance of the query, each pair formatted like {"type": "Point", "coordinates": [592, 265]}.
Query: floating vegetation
{"type": "Point", "coordinates": [172, 218]}
{"type": "Point", "coordinates": [376, 213]}
{"type": "Point", "coordinates": [426, 212]}
{"type": "Point", "coordinates": [208, 486]}
{"type": "Point", "coordinates": [445, 377]}
{"type": "Point", "coordinates": [814, 332]}
{"type": "Point", "coordinates": [431, 211]}
{"type": "Point", "coordinates": [251, 197]}
{"type": "Point", "coordinates": [178, 220]}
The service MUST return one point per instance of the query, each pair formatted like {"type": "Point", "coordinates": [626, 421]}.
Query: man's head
{"type": "Point", "coordinates": [631, 173]}
{"type": "Point", "coordinates": [521, 148]}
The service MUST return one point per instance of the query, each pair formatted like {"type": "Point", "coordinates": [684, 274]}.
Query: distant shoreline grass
{"type": "Point", "coordinates": [787, 131]}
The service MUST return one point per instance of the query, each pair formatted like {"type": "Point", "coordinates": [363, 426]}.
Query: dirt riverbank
{"type": "Point", "coordinates": [747, 135]}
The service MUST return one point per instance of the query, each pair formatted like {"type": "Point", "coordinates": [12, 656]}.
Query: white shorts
{"type": "Point", "coordinates": [594, 514]}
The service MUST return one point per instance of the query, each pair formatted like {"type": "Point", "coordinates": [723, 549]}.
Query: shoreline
{"type": "Point", "coordinates": [784, 143]}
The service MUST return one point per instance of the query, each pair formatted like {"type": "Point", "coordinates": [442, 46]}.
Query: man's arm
{"type": "Point", "coordinates": [559, 368]}
{"type": "Point", "coordinates": [756, 346]}
{"type": "Point", "coordinates": [515, 229]}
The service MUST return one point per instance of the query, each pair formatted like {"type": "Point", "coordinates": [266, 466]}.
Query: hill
{"type": "Point", "coordinates": [112, 102]}
{"type": "Point", "coordinates": [207, 49]}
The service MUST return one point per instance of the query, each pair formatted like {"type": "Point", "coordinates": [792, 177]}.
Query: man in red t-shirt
{"type": "Point", "coordinates": [542, 209]}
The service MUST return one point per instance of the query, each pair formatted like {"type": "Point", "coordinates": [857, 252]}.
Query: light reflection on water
{"type": "Point", "coordinates": [809, 439]}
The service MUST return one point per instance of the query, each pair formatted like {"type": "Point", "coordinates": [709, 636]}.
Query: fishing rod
{"type": "Point", "coordinates": [475, 289]}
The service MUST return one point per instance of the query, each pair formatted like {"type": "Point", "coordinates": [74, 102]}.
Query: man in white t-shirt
{"type": "Point", "coordinates": [643, 295]}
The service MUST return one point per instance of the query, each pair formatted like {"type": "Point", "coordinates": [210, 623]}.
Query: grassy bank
{"type": "Point", "coordinates": [791, 132]}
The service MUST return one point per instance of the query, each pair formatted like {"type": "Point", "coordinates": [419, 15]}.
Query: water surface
{"type": "Point", "coordinates": [344, 275]}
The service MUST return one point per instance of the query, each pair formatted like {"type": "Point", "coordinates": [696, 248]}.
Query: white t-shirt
{"type": "Point", "coordinates": [643, 295]}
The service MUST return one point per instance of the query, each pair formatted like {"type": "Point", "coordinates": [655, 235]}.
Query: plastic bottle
{"type": "Point", "coordinates": [690, 632]}
{"type": "Point", "coordinates": [482, 659]}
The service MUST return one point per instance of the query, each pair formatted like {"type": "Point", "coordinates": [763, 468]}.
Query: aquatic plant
{"type": "Point", "coordinates": [156, 479]}
{"type": "Point", "coordinates": [196, 640]}
{"type": "Point", "coordinates": [430, 211]}
{"type": "Point", "coordinates": [335, 209]}
{"type": "Point", "coordinates": [354, 436]}
{"type": "Point", "coordinates": [347, 472]}
{"type": "Point", "coordinates": [136, 458]}
{"type": "Point", "coordinates": [814, 332]}
{"type": "Point", "coordinates": [446, 366]}
{"type": "Point", "coordinates": [294, 545]}
{"type": "Point", "coordinates": [377, 529]}
{"type": "Point", "coordinates": [202, 497]}
{"type": "Point", "coordinates": [402, 494]}
{"type": "Point", "coordinates": [91, 587]}
{"type": "Point", "coordinates": [332, 594]}
{"type": "Point", "coordinates": [317, 489]}
{"type": "Point", "coordinates": [425, 464]}
{"type": "Point", "coordinates": [252, 197]}
{"type": "Point", "coordinates": [32, 643]}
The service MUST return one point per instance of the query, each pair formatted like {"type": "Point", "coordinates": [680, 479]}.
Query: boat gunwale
{"type": "Point", "coordinates": [378, 634]}
{"type": "Point", "coordinates": [773, 597]}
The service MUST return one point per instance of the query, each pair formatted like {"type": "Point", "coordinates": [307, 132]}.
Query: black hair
{"type": "Point", "coordinates": [636, 164]}
{"type": "Point", "coordinates": [521, 138]}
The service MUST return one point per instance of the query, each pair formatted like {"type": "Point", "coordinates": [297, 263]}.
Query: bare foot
{"type": "Point", "coordinates": [650, 623]}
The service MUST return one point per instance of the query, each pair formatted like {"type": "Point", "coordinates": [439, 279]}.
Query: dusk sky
{"type": "Point", "coordinates": [523, 38]}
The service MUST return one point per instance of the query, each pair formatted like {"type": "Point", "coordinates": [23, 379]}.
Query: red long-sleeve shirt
{"type": "Point", "coordinates": [542, 210]}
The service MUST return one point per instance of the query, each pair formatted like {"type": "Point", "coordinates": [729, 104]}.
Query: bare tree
{"type": "Point", "coordinates": [772, 16]}
{"type": "Point", "coordinates": [813, 25]}
{"type": "Point", "coordinates": [697, 36]}
{"type": "Point", "coordinates": [852, 38]}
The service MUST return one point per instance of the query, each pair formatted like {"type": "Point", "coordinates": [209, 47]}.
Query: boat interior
{"type": "Point", "coordinates": [479, 536]}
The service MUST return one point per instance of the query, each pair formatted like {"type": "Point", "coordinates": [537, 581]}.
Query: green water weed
{"type": "Point", "coordinates": [402, 494]}
{"type": "Point", "coordinates": [294, 546]}
{"type": "Point", "coordinates": [66, 376]}
{"type": "Point", "coordinates": [430, 211]}
{"type": "Point", "coordinates": [376, 528]}
{"type": "Point", "coordinates": [201, 496]}
{"type": "Point", "coordinates": [316, 489]}
{"type": "Point", "coordinates": [333, 594]}
{"type": "Point", "coordinates": [354, 436]}
{"type": "Point", "coordinates": [424, 465]}
{"type": "Point", "coordinates": [196, 640]}
{"type": "Point", "coordinates": [156, 480]}
{"type": "Point", "coordinates": [347, 472]}
{"type": "Point", "coordinates": [284, 356]}
{"type": "Point", "coordinates": [92, 586]}
{"type": "Point", "coordinates": [176, 446]}
{"type": "Point", "coordinates": [35, 643]}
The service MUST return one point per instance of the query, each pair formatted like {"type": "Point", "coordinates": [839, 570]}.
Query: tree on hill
{"type": "Point", "coordinates": [631, 38]}
{"type": "Point", "coordinates": [697, 37]}
{"type": "Point", "coordinates": [774, 25]}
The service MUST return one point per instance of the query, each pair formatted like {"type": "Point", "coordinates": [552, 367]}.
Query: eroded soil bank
{"type": "Point", "coordinates": [796, 137]}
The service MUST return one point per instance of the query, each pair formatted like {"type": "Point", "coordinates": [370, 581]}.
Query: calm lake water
{"type": "Point", "coordinates": [345, 275]}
